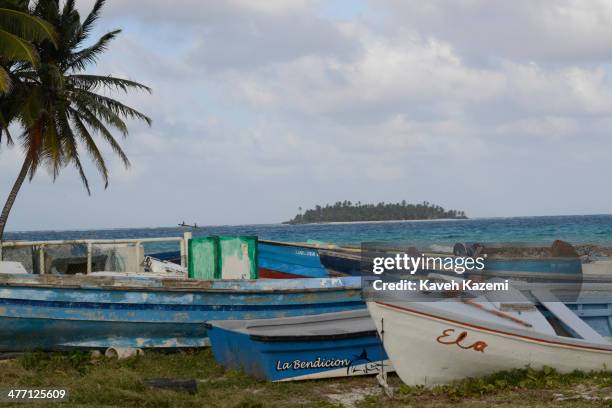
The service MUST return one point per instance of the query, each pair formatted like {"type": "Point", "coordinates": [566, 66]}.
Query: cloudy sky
{"type": "Point", "coordinates": [493, 107]}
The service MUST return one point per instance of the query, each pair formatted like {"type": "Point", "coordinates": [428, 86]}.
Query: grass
{"type": "Point", "coordinates": [108, 383]}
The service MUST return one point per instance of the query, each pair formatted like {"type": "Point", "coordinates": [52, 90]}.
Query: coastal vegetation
{"type": "Point", "coordinates": [17, 30]}
{"type": "Point", "coordinates": [61, 110]}
{"type": "Point", "coordinates": [346, 211]}
{"type": "Point", "coordinates": [96, 382]}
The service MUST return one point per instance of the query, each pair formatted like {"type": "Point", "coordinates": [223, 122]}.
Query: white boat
{"type": "Point", "coordinates": [439, 342]}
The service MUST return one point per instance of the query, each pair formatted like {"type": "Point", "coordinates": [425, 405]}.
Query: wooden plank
{"type": "Point", "coordinates": [568, 317]}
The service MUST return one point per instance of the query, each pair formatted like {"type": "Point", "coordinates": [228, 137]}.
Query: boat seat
{"type": "Point", "coordinates": [514, 303]}
{"type": "Point", "coordinates": [565, 315]}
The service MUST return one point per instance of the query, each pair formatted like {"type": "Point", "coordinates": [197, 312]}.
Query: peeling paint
{"type": "Point", "coordinates": [57, 312]}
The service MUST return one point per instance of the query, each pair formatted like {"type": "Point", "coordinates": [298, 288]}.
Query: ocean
{"type": "Point", "coordinates": [433, 234]}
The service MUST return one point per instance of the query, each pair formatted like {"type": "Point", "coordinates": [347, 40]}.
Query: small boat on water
{"type": "Point", "coordinates": [55, 312]}
{"type": "Point", "coordinates": [330, 345]}
{"type": "Point", "coordinates": [438, 342]}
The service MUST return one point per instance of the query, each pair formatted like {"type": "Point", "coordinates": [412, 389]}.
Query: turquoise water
{"type": "Point", "coordinates": [593, 229]}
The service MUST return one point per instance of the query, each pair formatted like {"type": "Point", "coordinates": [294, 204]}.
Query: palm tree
{"type": "Point", "coordinates": [17, 29]}
{"type": "Point", "coordinates": [59, 107]}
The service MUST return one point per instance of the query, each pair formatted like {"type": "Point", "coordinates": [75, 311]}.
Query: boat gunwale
{"type": "Point", "coordinates": [192, 286]}
{"type": "Point", "coordinates": [554, 343]}
{"type": "Point", "coordinates": [330, 248]}
{"type": "Point", "coordinates": [315, 337]}
{"type": "Point", "coordinates": [245, 327]}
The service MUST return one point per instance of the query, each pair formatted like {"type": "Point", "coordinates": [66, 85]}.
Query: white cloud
{"type": "Point", "coordinates": [470, 104]}
{"type": "Point", "coordinates": [194, 11]}
{"type": "Point", "coordinates": [558, 30]}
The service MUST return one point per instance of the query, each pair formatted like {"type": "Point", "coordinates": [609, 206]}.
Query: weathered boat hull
{"type": "Point", "coordinates": [281, 261]}
{"type": "Point", "coordinates": [428, 348]}
{"type": "Point", "coordinates": [61, 312]}
{"type": "Point", "coordinates": [548, 269]}
{"type": "Point", "coordinates": [324, 346]}
{"type": "Point", "coordinates": [342, 262]}
{"type": "Point", "coordinates": [277, 260]}
{"type": "Point", "coordinates": [597, 313]}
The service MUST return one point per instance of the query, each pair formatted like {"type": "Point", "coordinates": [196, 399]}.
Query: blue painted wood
{"type": "Point", "coordinates": [170, 256]}
{"type": "Point", "coordinates": [341, 263]}
{"type": "Point", "coordinates": [538, 268]}
{"type": "Point", "coordinates": [287, 259]}
{"type": "Point", "coordinates": [543, 266]}
{"type": "Point", "coordinates": [290, 259]}
{"type": "Point", "coordinates": [571, 320]}
{"type": "Point", "coordinates": [596, 313]}
{"type": "Point", "coordinates": [62, 312]}
{"type": "Point", "coordinates": [322, 346]}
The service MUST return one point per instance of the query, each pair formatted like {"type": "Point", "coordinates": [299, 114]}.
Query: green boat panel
{"type": "Point", "coordinates": [238, 257]}
{"type": "Point", "coordinates": [204, 258]}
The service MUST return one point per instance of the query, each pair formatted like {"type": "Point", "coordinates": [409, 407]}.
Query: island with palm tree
{"type": "Point", "coordinates": [346, 211]}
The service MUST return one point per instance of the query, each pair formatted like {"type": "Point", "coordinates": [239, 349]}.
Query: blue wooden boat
{"type": "Point", "coordinates": [276, 260]}
{"type": "Point", "coordinates": [559, 262]}
{"type": "Point", "coordinates": [54, 312]}
{"type": "Point", "coordinates": [348, 262]}
{"type": "Point", "coordinates": [281, 261]}
{"type": "Point", "coordinates": [593, 306]}
{"type": "Point", "coordinates": [550, 268]}
{"type": "Point", "coordinates": [300, 348]}
{"type": "Point", "coordinates": [341, 261]}
{"type": "Point", "coordinates": [168, 256]}
{"type": "Point", "coordinates": [597, 314]}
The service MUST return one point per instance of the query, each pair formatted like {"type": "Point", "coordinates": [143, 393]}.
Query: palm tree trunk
{"type": "Point", "coordinates": [13, 195]}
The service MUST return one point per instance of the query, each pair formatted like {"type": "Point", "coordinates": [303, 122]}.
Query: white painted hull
{"type": "Point", "coordinates": [414, 341]}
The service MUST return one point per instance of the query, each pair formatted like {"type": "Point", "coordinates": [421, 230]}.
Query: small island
{"type": "Point", "coordinates": [346, 211]}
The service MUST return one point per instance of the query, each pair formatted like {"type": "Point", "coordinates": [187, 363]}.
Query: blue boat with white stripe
{"type": "Point", "coordinates": [300, 348]}
{"type": "Point", "coordinates": [55, 312]}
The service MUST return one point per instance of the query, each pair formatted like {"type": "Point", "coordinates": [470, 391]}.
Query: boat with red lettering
{"type": "Point", "coordinates": [437, 342]}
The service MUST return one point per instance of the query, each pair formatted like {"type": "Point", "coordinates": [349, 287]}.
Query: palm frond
{"type": "Point", "coordinates": [5, 81]}
{"type": "Point", "coordinates": [117, 107]}
{"type": "Point", "coordinates": [79, 166]}
{"type": "Point", "coordinates": [32, 139]}
{"type": "Point", "coordinates": [51, 151]}
{"type": "Point", "coordinates": [107, 115]}
{"type": "Point", "coordinates": [88, 23]}
{"type": "Point", "coordinates": [80, 59]}
{"type": "Point", "coordinates": [4, 129]}
{"type": "Point", "coordinates": [47, 11]}
{"type": "Point", "coordinates": [68, 7]}
{"type": "Point", "coordinates": [13, 47]}
{"type": "Point", "coordinates": [70, 146]}
{"type": "Point", "coordinates": [9, 138]}
{"type": "Point", "coordinates": [92, 82]}
{"type": "Point", "coordinates": [26, 26]}
{"type": "Point", "coordinates": [99, 127]}
{"type": "Point", "coordinates": [92, 148]}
